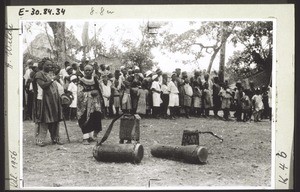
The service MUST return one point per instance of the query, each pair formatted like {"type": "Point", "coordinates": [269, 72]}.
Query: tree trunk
{"type": "Point", "coordinates": [222, 62]}
{"type": "Point", "coordinates": [58, 29]}
{"type": "Point", "coordinates": [85, 39]}
{"type": "Point", "coordinates": [212, 59]}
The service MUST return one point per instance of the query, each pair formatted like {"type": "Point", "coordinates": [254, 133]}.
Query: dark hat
{"type": "Point", "coordinates": [66, 99]}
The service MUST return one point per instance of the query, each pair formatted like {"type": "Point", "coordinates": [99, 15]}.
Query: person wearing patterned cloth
{"type": "Point", "coordinates": [48, 105]}
{"type": "Point", "coordinates": [89, 106]}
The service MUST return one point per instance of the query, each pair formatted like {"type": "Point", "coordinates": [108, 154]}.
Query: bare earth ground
{"type": "Point", "coordinates": [243, 159]}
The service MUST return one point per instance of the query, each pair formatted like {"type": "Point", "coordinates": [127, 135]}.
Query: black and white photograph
{"type": "Point", "coordinates": [144, 103]}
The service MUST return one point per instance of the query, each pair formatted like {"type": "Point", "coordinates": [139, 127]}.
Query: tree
{"type": "Point", "coordinates": [210, 38]}
{"type": "Point", "coordinates": [58, 29]}
{"type": "Point", "coordinates": [257, 38]}
{"type": "Point", "coordinates": [139, 53]}
{"type": "Point", "coordinates": [72, 43]}
{"type": "Point", "coordinates": [136, 56]}
{"type": "Point", "coordinates": [203, 38]}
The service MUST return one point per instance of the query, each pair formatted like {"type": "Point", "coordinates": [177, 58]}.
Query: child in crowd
{"type": "Point", "coordinates": [73, 89]}
{"type": "Point", "coordinates": [197, 104]}
{"type": "Point", "coordinates": [164, 96]}
{"type": "Point", "coordinates": [188, 93]}
{"type": "Point", "coordinates": [156, 91]}
{"type": "Point", "coordinates": [115, 94]}
{"type": "Point", "coordinates": [225, 95]}
{"type": "Point", "coordinates": [106, 92]}
{"type": "Point", "coordinates": [257, 105]}
{"type": "Point", "coordinates": [173, 96]}
{"type": "Point", "coordinates": [126, 99]}
{"type": "Point", "coordinates": [207, 99]}
{"type": "Point", "coordinates": [246, 106]}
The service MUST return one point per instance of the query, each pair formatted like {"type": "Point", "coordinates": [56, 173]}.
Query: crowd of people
{"type": "Point", "coordinates": [88, 92]}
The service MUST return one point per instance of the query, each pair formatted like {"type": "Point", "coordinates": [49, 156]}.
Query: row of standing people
{"type": "Point", "coordinates": [153, 93]}
{"type": "Point", "coordinates": [157, 94]}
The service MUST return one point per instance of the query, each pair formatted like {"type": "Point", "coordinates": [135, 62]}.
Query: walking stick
{"type": "Point", "coordinates": [66, 129]}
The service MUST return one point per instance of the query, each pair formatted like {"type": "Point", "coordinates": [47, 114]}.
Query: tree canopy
{"type": "Point", "coordinates": [207, 38]}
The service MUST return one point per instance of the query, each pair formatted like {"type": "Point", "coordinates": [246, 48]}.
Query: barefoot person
{"type": "Point", "coordinates": [48, 106]}
{"type": "Point", "coordinates": [89, 105]}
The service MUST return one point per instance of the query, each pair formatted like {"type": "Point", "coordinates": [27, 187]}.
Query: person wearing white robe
{"type": "Point", "coordinates": [156, 91]}
{"type": "Point", "coordinates": [73, 89]}
{"type": "Point", "coordinates": [173, 96]}
{"type": "Point", "coordinates": [106, 94]}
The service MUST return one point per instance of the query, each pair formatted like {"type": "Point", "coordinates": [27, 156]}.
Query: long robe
{"type": "Point", "coordinates": [156, 96]}
{"type": "Point", "coordinates": [142, 101]}
{"type": "Point", "coordinates": [187, 97]}
{"type": "Point", "coordinates": [50, 109]}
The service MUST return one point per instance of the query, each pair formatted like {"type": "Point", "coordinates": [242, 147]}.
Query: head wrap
{"type": "Point", "coordinates": [148, 73]}
{"type": "Point", "coordinates": [68, 68]}
{"type": "Point", "coordinates": [29, 61]}
{"type": "Point", "coordinates": [88, 66]}
{"type": "Point", "coordinates": [73, 77]}
{"type": "Point", "coordinates": [154, 77]}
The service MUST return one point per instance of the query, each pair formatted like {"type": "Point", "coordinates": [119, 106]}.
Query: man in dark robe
{"type": "Point", "coordinates": [48, 106]}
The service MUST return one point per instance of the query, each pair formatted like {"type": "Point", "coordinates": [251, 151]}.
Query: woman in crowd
{"type": "Point", "coordinates": [143, 103]}
{"type": "Point", "coordinates": [134, 96]}
{"type": "Point", "coordinates": [89, 106]}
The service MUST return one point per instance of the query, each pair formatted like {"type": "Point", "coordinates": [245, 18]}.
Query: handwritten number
{"type": "Point", "coordinates": [101, 10]}
{"type": "Point", "coordinates": [92, 11]}
{"type": "Point", "coordinates": [281, 154]}
{"type": "Point", "coordinates": [13, 153]}
{"type": "Point", "coordinates": [282, 166]}
{"type": "Point", "coordinates": [63, 11]}
{"type": "Point", "coordinates": [33, 11]}
{"type": "Point", "coordinates": [57, 11]}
